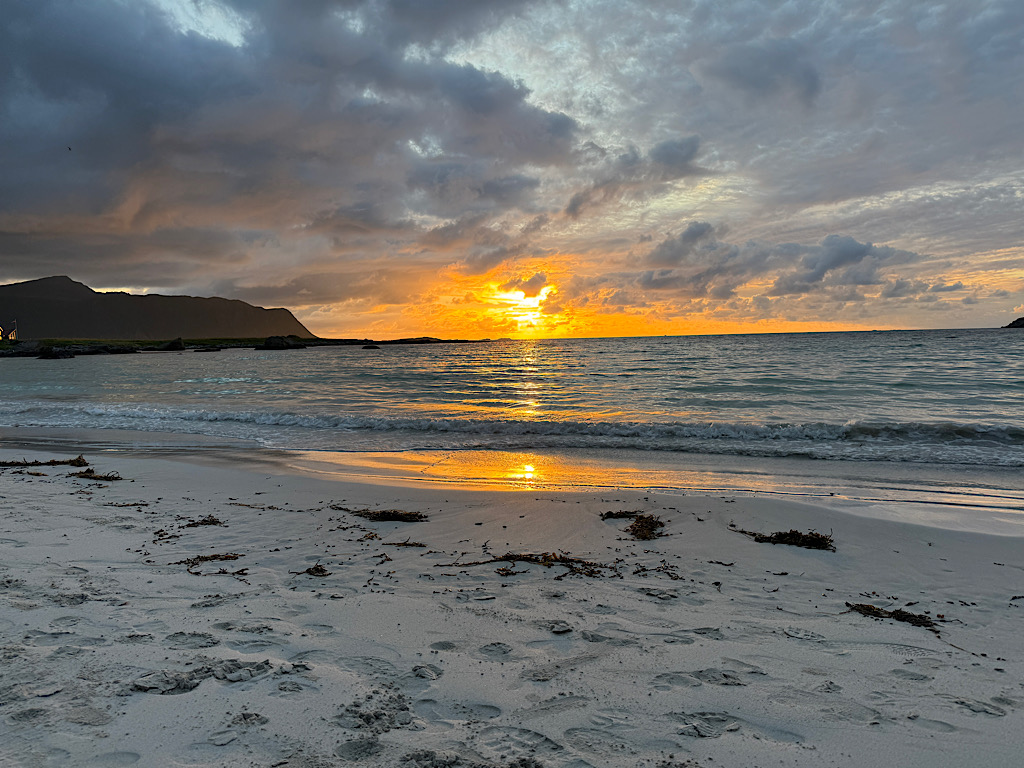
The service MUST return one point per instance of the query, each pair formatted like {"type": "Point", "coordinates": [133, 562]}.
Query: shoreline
{"type": "Point", "coordinates": [131, 636]}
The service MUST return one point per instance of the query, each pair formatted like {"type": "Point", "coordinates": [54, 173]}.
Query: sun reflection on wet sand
{"type": "Point", "coordinates": [585, 470]}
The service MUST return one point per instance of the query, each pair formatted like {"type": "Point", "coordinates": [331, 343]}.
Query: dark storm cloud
{"type": "Point", "coordinates": [319, 123]}
{"type": "Point", "coordinates": [767, 69]}
{"type": "Point", "coordinates": [696, 264]}
{"type": "Point", "coordinates": [635, 175]}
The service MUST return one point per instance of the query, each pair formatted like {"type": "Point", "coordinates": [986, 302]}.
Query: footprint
{"type": "Point", "coordinates": [495, 650]}
{"type": "Point", "coordinates": [594, 637]}
{"type": "Point", "coordinates": [552, 706]}
{"type": "Point", "coordinates": [976, 706]}
{"type": "Point", "coordinates": [431, 709]}
{"type": "Point", "coordinates": [501, 741]}
{"type": "Point", "coordinates": [37, 637]}
{"type": "Point", "coordinates": [705, 725]}
{"type": "Point", "coordinates": [931, 725]}
{"type": "Point", "coordinates": [598, 741]}
{"type": "Point", "coordinates": [113, 759]}
{"type": "Point", "coordinates": [909, 674]}
{"type": "Point", "coordinates": [666, 681]}
{"type": "Point", "coordinates": [555, 626]}
{"type": "Point", "coordinates": [191, 640]}
{"type": "Point", "coordinates": [87, 716]}
{"type": "Point", "coordinates": [445, 645]}
{"type": "Point", "coordinates": [358, 749]}
{"type": "Point", "coordinates": [714, 676]}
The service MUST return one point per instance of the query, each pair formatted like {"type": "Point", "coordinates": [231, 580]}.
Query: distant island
{"type": "Point", "coordinates": [61, 308]}
{"type": "Point", "coordinates": [1018, 323]}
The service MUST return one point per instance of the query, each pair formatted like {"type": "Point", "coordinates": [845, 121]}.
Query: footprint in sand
{"type": "Point", "coordinates": [495, 651]}
{"type": "Point", "coordinates": [502, 742]}
{"type": "Point", "coordinates": [666, 681]}
{"type": "Point", "coordinates": [113, 759]}
{"type": "Point", "coordinates": [191, 640]}
{"type": "Point", "coordinates": [976, 706]}
{"type": "Point", "coordinates": [358, 749]}
{"type": "Point", "coordinates": [552, 706]}
{"type": "Point", "coordinates": [434, 710]}
{"type": "Point", "coordinates": [598, 742]}
{"type": "Point", "coordinates": [445, 645]}
{"type": "Point", "coordinates": [705, 725]}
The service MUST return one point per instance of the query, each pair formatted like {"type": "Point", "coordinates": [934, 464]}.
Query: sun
{"type": "Point", "coordinates": [524, 310]}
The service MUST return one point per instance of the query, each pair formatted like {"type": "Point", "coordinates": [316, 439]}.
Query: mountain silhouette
{"type": "Point", "coordinates": [61, 308]}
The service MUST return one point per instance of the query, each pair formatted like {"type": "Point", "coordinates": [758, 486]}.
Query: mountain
{"type": "Point", "coordinates": [61, 308]}
{"type": "Point", "coordinates": [1018, 323]}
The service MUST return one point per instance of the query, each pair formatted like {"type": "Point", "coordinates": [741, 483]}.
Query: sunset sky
{"type": "Point", "coordinates": [477, 168]}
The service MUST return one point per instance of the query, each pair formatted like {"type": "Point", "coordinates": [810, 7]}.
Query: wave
{"type": "Point", "coordinates": [937, 442]}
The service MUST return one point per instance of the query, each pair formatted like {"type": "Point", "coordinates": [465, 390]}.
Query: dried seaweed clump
{"type": "Point", "coordinates": [90, 474]}
{"type": "Point", "coordinates": [575, 565]}
{"type": "Point", "coordinates": [645, 527]}
{"type": "Point", "coordinates": [78, 461]}
{"type": "Point", "coordinates": [622, 514]}
{"type": "Point", "coordinates": [915, 619]}
{"type": "Point", "coordinates": [385, 515]}
{"type": "Point", "coordinates": [208, 520]}
{"type": "Point", "coordinates": [314, 570]}
{"type": "Point", "coordinates": [794, 538]}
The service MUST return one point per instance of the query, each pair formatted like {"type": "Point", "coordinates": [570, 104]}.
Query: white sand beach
{"type": "Point", "coordinates": [234, 610]}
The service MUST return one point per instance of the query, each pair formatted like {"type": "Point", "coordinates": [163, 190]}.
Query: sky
{"type": "Point", "coordinates": [524, 168]}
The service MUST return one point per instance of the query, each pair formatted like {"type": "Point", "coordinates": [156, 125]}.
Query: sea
{"type": "Point", "coordinates": [933, 416]}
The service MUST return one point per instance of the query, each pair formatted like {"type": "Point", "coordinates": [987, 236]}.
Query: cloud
{"type": "Point", "coordinates": [530, 287]}
{"type": "Point", "coordinates": [636, 176]}
{"type": "Point", "coordinates": [767, 69]}
{"type": "Point", "coordinates": [313, 152]}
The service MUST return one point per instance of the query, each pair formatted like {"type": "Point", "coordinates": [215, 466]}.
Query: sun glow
{"type": "Point", "coordinates": [524, 310]}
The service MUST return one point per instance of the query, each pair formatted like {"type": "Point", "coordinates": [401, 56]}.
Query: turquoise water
{"type": "Point", "coordinates": [910, 397]}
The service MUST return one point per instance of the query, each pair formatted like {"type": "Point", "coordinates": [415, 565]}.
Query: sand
{"type": "Point", "coordinates": [229, 609]}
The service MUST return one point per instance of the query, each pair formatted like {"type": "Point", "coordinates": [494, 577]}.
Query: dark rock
{"type": "Point", "coordinates": [61, 308]}
{"type": "Point", "coordinates": [281, 342]}
{"type": "Point", "coordinates": [1018, 323]}
{"type": "Point", "coordinates": [370, 346]}
{"type": "Point", "coordinates": [172, 346]}
{"type": "Point", "coordinates": [54, 353]}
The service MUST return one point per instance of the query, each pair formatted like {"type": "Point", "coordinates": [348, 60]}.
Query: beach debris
{"type": "Point", "coordinates": [208, 520]}
{"type": "Point", "coordinates": [405, 543]}
{"type": "Point", "coordinates": [622, 514]}
{"type": "Point", "coordinates": [506, 571]}
{"type": "Point", "coordinates": [794, 538]}
{"type": "Point", "coordinates": [314, 570]}
{"type": "Point", "coordinates": [915, 619]}
{"type": "Point", "coordinates": [192, 562]}
{"type": "Point", "coordinates": [574, 565]}
{"type": "Point", "coordinates": [384, 515]}
{"type": "Point", "coordinates": [78, 461]}
{"type": "Point", "coordinates": [90, 474]}
{"type": "Point", "coordinates": [645, 527]}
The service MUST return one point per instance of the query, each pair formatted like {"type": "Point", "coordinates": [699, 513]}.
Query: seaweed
{"type": "Point", "coordinates": [645, 527]}
{"type": "Point", "coordinates": [384, 515]}
{"type": "Point", "coordinates": [78, 461]}
{"type": "Point", "coordinates": [192, 562]}
{"type": "Point", "coordinates": [208, 520]}
{"type": "Point", "coordinates": [575, 565]}
{"type": "Point", "coordinates": [914, 619]}
{"type": "Point", "coordinates": [794, 538]}
{"type": "Point", "coordinates": [622, 514]}
{"type": "Point", "coordinates": [314, 570]}
{"type": "Point", "coordinates": [405, 543]}
{"type": "Point", "coordinates": [90, 474]}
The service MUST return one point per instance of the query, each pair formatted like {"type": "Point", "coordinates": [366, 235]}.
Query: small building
{"type": "Point", "coordinates": [10, 333]}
